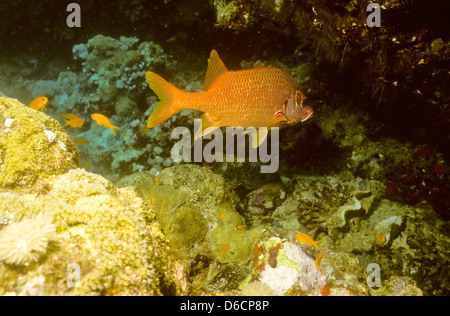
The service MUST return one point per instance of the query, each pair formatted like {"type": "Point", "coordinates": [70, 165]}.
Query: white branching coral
{"type": "Point", "coordinates": [25, 241]}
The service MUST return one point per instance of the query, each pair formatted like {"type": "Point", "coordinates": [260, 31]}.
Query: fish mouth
{"type": "Point", "coordinates": [307, 112]}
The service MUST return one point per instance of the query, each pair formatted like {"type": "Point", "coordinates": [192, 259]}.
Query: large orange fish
{"type": "Point", "coordinates": [259, 97]}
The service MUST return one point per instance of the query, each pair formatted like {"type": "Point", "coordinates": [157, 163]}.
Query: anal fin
{"type": "Point", "coordinates": [258, 136]}
{"type": "Point", "coordinates": [206, 127]}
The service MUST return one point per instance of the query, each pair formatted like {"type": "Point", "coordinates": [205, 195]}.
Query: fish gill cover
{"type": "Point", "coordinates": [366, 178]}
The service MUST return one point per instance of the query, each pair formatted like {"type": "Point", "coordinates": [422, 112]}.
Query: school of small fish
{"type": "Point", "coordinates": [73, 120]}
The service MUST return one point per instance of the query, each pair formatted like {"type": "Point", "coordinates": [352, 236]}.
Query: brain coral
{"type": "Point", "coordinates": [25, 241]}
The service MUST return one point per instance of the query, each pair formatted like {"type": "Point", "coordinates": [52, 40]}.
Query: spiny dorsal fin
{"type": "Point", "coordinates": [216, 67]}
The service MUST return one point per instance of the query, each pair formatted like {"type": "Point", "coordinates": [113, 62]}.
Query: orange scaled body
{"type": "Point", "coordinates": [260, 97]}
{"type": "Point", "coordinates": [104, 121]}
{"type": "Point", "coordinates": [76, 122]}
{"type": "Point", "coordinates": [38, 103]}
{"type": "Point", "coordinates": [306, 239]}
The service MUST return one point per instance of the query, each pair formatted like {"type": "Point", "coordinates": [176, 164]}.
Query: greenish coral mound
{"type": "Point", "coordinates": [33, 146]}
{"type": "Point", "coordinates": [104, 243]}
{"type": "Point", "coordinates": [194, 209]}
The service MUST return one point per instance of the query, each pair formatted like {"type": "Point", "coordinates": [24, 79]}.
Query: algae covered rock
{"type": "Point", "coordinates": [265, 198]}
{"type": "Point", "coordinates": [397, 286]}
{"type": "Point", "coordinates": [33, 146]}
{"type": "Point", "coordinates": [102, 241]}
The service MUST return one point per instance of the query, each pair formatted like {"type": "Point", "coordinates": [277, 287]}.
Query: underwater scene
{"type": "Point", "coordinates": [225, 148]}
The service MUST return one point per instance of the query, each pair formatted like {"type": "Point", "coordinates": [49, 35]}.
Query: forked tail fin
{"type": "Point", "coordinates": [166, 92]}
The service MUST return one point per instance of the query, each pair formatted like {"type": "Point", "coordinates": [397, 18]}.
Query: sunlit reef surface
{"type": "Point", "coordinates": [368, 175]}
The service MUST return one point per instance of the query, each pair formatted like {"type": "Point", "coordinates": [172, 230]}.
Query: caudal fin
{"type": "Point", "coordinates": [114, 127]}
{"type": "Point", "coordinates": [166, 92]}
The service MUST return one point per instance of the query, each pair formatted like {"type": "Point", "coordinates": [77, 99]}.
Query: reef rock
{"type": "Point", "coordinates": [289, 268]}
{"type": "Point", "coordinates": [33, 146]}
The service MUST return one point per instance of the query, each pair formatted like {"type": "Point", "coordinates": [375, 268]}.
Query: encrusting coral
{"type": "Point", "coordinates": [33, 145]}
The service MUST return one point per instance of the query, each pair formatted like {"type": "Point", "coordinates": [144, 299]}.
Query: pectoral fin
{"type": "Point", "coordinates": [278, 117]}
{"type": "Point", "coordinates": [258, 136]}
{"type": "Point", "coordinates": [206, 128]}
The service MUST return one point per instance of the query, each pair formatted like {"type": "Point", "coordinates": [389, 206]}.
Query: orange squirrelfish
{"type": "Point", "coordinates": [259, 97]}
{"type": "Point", "coordinates": [306, 239]}
{"type": "Point", "coordinates": [38, 103]}
{"type": "Point", "coordinates": [76, 122]}
{"type": "Point", "coordinates": [104, 121]}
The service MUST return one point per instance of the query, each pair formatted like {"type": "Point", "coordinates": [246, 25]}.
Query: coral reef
{"type": "Point", "coordinates": [366, 179]}
{"type": "Point", "coordinates": [110, 81]}
{"type": "Point", "coordinates": [33, 146]}
{"type": "Point", "coordinates": [178, 232]}
{"type": "Point", "coordinates": [103, 240]}
{"type": "Point", "coordinates": [103, 244]}
{"type": "Point", "coordinates": [423, 179]}
{"type": "Point", "coordinates": [195, 211]}
{"type": "Point", "coordinates": [297, 273]}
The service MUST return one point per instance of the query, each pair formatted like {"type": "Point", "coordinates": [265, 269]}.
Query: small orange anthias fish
{"type": "Point", "coordinates": [381, 238]}
{"type": "Point", "coordinates": [306, 239]}
{"type": "Point", "coordinates": [224, 249]}
{"type": "Point", "coordinates": [38, 103]}
{"type": "Point", "coordinates": [75, 122]}
{"type": "Point", "coordinates": [259, 97]}
{"type": "Point", "coordinates": [80, 140]}
{"type": "Point", "coordinates": [68, 116]}
{"type": "Point", "coordinates": [104, 121]}
{"type": "Point", "coordinates": [318, 260]}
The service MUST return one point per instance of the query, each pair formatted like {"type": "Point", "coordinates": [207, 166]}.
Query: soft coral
{"type": "Point", "coordinates": [422, 179]}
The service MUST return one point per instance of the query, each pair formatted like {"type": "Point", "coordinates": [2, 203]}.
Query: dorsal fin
{"type": "Point", "coordinates": [216, 67]}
